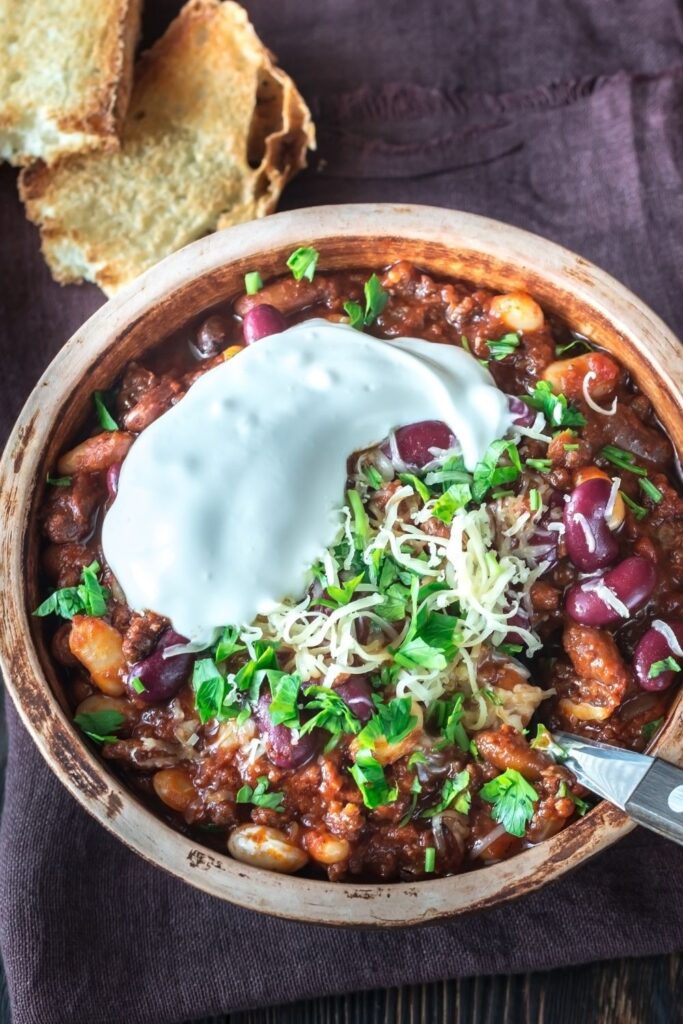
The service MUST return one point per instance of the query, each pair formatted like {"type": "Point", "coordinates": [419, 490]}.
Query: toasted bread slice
{"type": "Point", "coordinates": [213, 133]}
{"type": "Point", "coordinates": [66, 71]}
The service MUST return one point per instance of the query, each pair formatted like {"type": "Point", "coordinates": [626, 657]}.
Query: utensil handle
{"type": "Point", "coordinates": [657, 801]}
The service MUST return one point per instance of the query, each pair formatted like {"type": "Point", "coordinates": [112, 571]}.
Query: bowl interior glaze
{"type": "Point", "coordinates": [203, 274]}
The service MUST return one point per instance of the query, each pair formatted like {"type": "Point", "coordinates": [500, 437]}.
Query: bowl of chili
{"type": "Point", "coordinates": [371, 791]}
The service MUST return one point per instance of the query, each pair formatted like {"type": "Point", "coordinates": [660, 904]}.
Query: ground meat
{"type": "Point", "coordinates": [579, 453]}
{"type": "Point", "coordinates": [152, 404]}
{"type": "Point", "coordinates": [63, 563]}
{"type": "Point", "coordinates": [142, 634]}
{"type": "Point", "coordinates": [70, 511]}
{"type": "Point", "coordinates": [137, 381]}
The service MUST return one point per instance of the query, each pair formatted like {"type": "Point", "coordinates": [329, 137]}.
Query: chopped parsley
{"type": "Point", "coordinates": [650, 728]}
{"type": "Point", "coordinates": [228, 643]}
{"type": "Point", "coordinates": [504, 346]}
{"type": "Point", "coordinates": [332, 712]}
{"type": "Point", "coordinates": [638, 510]}
{"type": "Point", "coordinates": [561, 349]}
{"type": "Point", "coordinates": [341, 595]}
{"type": "Point", "coordinates": [419, 486]}
{"type": "Point", "coordinates": [454, 793]}
{"type": "Point", "coordinates": [209, 687]}
{"type": "Point", "coordinates": [392, 722]}
{"type": "Point", "coordinates": [556, 409]}
{"type": "Point", "coordinates": [431, 639]}
{"type": "Point", "coordinates": [88, 598]}
{"type": "Point", "coordinates": [510, 649]}
{"type": "Point", "coordinates": [138, 685]}
{"type": "Point", "coordinates": [489, 473]}
{"type": "Point", "coordinates": [259, 795]}
{"type": "Point", "coordinates": [368, 775]}
{"type": "Point", "coordinates": [251, 675]}
{"type": "Point", "coordinates": [430, 860]}
{"type": "Point", "coordinates": [283, 708]}
{"type": "Point", "coordinates": [512, 799]}
{"type": "Point", "coordinates": [253, 283]}
{"type": "Point", "coordinates": [59, 481]}
{"type": "Point", "coordinates": [107, 421]}
{"type": "Point", "coordinates": [456, 497]}
{"type": "Point", "coordinates": [417, 757]}
{"type": "Point", "coordinates": [376, 299]}
{"type": "Point", "coordinates": [445, 715]}
{"type": "Point", "coordinates": [303, 262]}
{"type": "Point", "coordinates": [452, 471]}
{"type": "Point", "coordinates": [649, 489]}
{"type": "Point", "coordinates": [100, 726]}
{"type": "Point", "coordinates": [622, 459]}
{"type": "Point", "coordinates": [534, 499]}
{"type": "Point", "coordinates": [658, 668]}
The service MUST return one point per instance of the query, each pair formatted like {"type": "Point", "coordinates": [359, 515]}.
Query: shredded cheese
{"type": "Point", "coordinates": [592, 375]}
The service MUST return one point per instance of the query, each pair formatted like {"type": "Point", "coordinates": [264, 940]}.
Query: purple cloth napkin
{"type": "Point", "coordinates": [564, 119]}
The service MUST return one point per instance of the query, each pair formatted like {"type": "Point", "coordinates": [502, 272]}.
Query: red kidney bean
{"type": "Point", "coordinates": [652, 647]}
{"type": "Point", "coordinates": [632, 582]}
{"type": "Point", "coordinates": [262, 321]}
{"type": "Point", "coordinates": [590, 543]}
{"type": "Point", "coordinates": [162, 677]}
{"type": "Point", "coordinates": [413, 442]}
{"type": "Point", "coordinates": [113, 479]}
{"type": "Point", "coordinates": [521, 619]}
{"type": "Point", "coordinates": [282, 750]}
{"type": "Point", "coordinates": [523, 415]}
{"type": "Point", "coordinates": [356, 691]}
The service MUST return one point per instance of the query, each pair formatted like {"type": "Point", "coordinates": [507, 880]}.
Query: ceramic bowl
{"type": "Point", "coordinates": [443, 242]}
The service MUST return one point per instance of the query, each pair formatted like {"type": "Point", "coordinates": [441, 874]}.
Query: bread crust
{"type": "Point", "coordinates": [37, 122]}
{"type": "Point", "coordinates": [213, 133]}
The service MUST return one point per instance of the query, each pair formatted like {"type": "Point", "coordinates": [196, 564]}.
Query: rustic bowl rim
{"type": "Point", "coordinates": [528, 257]}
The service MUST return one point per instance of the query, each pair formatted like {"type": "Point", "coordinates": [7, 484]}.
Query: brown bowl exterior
{"type": "Point", "coordinates": [444, 242]}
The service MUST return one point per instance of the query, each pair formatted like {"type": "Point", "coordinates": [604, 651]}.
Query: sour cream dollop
{"type": "Point", "coordinates": [226, 501]}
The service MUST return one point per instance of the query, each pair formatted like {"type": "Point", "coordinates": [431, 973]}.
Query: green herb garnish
{"type": "Point", "coordinates": [565, 793]}
{"type": "Point", "coordinates": [209, 687]}
{"type": "Point", "coordinates": [454, 498]}
{"type": "Point", "coordinates": [392, 722]}
{"type": "Point", "coordinates": [504, 346]}
{"type": "Point", "coordinates": [88, 598]}
{"type": "Point", "coordinates": [368, 775]}
{"type": "Point", "coordinates": [59, 481]}
{"type": "Point", "coordinates": [376, 299]}
{"type": "Point", "coordinates": [561, 349]}
{"type": "Point", "coordinates": [374, 477]}
{"type": "Point", "coordinates": [259, 795]}
{"type": "Point", "coordinates": [454, 793]}
{"type": "Point", "coordinates": [540, 465]}
{"type": "Point", "coordinates": [303, 262]}
{"type": "Point", "coordinates": [445, 715]}
{"type": "Point", "coordinates": [138, 685]}
{"type": "Point", "coordinates": [534, 499]}
{"type": "Point", "coordinates": [341, 595]}
{"type": "Point", "coordinates": [100, 726]}
{"type": "Point", "coordinates": [228, 643]}
{"type": "Point", "coordinates": [657, 668]}
{"type": "Point", "coordinates": [650, 728]}
{"type": "Point", "coordinates": [622, 459]}
{"type": "Point", "coordinates": [649, 489]}
{"type": "Point", "coordinates": [556, 409]}
{"type": "Point", "coordinates": [361, 525]}
{"type": "Point", "coordinates": [489, 473]}
{"type": "Point", "coordinates": [283, 708]}
{"type": "Point", "coordinates": [419, 486]}
{"type": "Point", "coordinates": [513, 800]}
{"type": "Point", "coordinates": [107, 421]}
{"type": "Point", "coordinates": [430, 860]}
{"type": "Point", "coordinates": [332, 712]}
{"type": "Point", "coordinates": [638, 510]}
{"type": "Point", "coordinates": [253, 283]}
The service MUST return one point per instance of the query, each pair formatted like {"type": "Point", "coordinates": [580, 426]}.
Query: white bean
{"type": "Point", "coordinates": [264, 847]}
